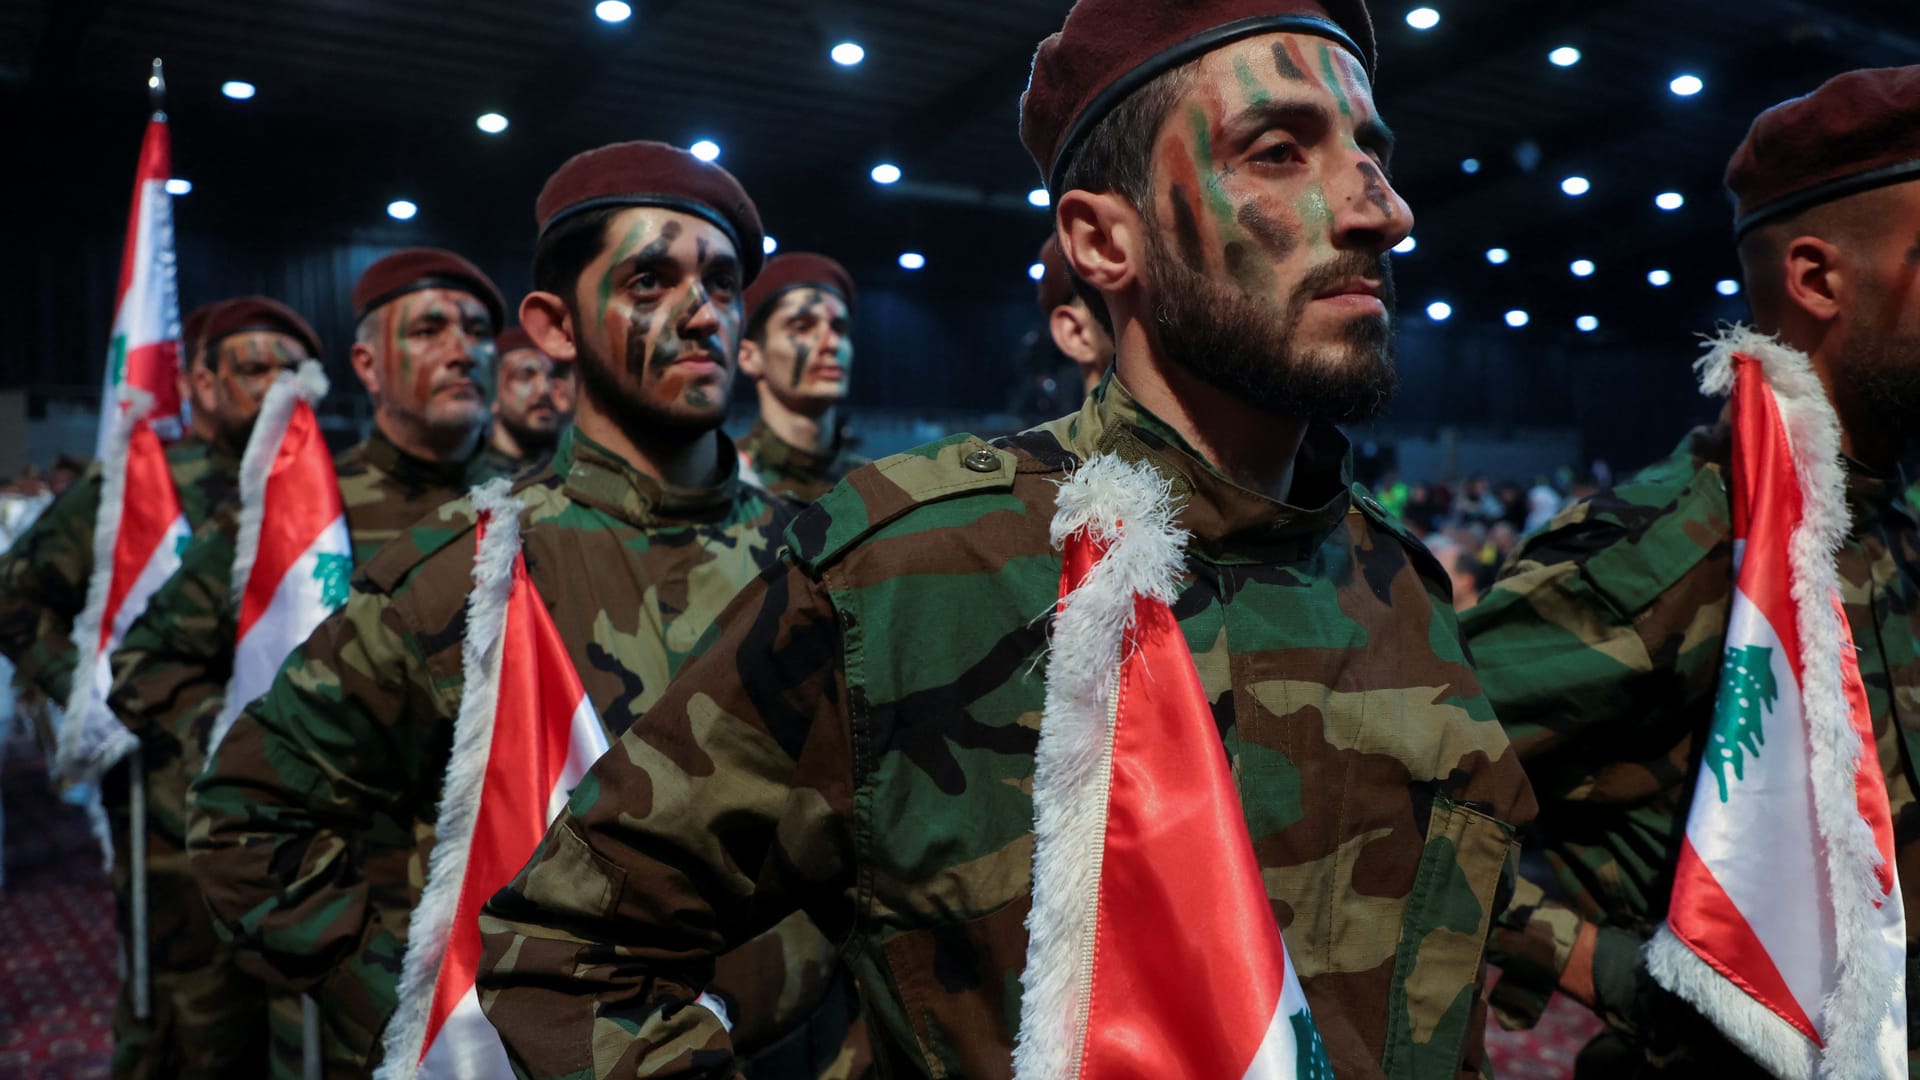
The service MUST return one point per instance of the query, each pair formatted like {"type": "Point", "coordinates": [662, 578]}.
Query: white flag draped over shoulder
{"type": "Point", "coordinates": [140, 527]}
{"type": "Point", "coordinates": [1142, 859]}
{"type": "Point", "coordinates": [294, 555]}
{"type": "Point", "coordinates": [525, 736]}
{"type": "Point", "coordinates": [1785, 926]}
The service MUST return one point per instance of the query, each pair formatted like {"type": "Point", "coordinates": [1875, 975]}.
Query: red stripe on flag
{"type": "Point", "coordinates": [1766, 504]}
{"type": "Point", "coordinates": [302, 498]}
{"type": "Point", "coordinates": [1705, 919]}
{"type": "Point", "coordinates": [1869, 783]}
{"type": "Point", "coordinates": [532, 726]}
{"type": "Point", "coordinates": [149, 507]}
{"type": "Point", "coordinates": [1188, 964]}
{"type": "Point", "coordinates": [156, 163]}
{"type": "Point", "coordinates": [154, 367]}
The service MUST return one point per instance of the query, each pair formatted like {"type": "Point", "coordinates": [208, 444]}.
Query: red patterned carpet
{"type": "Point", "coordinates": [58, 974]}
{"type": "Point", "coordinates": [58, 970]}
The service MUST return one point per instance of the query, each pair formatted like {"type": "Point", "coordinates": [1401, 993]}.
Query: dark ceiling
{"type": "Point", "coordinates": [360, 102]}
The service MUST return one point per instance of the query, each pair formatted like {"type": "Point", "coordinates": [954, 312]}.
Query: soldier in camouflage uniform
{"type": "Point", "coordinates": [43, 587]}
{"type": "Point", "coordinates": [859, 741]}
{"type": "Point", "coordinates": [1601, 643]}
{"type": "Point", "coordinates": [799, 353]}
{"type": "Point", "coordinates": [636, 534]}
{"type": "Point", "coordinates": [534, 401]}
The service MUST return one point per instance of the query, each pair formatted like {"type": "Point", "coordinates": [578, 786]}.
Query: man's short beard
{"type": "Point", "coordinates": [1883, 368]}
{"type": "Point", "coordinates": [530, 438]}
{"type": "Point", "coordinates": [1244, 348]}
{"type": "Point", "coordinates": [641, 420]}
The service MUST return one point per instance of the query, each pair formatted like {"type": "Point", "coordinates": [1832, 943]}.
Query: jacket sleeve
{"type": "Point", "coordinates": [304, 820]}
{"type": "Point", "coordinates": [724, 809]}
{"type": "Point", "coordinates": [43, 587]}
{"type": "Point", "coordinates": [178, 655]}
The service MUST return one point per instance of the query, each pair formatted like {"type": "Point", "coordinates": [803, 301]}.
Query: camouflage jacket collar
{"type": "Point", "coordinates": [772, 454]}
{"type": "Point", "coordinates": [598, 477]}
{"type": "Point", "coordinates": [413, 471]}
{"type": "Point", "coordinates": [1876, 498]}
{"type": "Point", "coordinates": [1226, 520]}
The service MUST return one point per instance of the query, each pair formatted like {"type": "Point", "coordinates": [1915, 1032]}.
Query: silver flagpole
{"type": "Point", "coordinates": [137, 855]}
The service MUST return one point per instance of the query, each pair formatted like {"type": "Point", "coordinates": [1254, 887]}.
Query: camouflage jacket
{"type": "Point", "coordinates": [859, 744]}
{"type": "Point", "coordinates": [170, 672]}
{"type": "Point", "coordinates": [799, 476]}
{"type": "Point", "coordinates": [1601, 648]}
{"type": "Point", "coordinates": [43, 576]}
{"type": "Point", "coordinates": [315, 820]}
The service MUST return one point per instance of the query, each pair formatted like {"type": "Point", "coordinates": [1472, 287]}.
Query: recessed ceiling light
{"type": "Point", "coordinates": [1659, 279]}
{"type": "Point", "coordinates": [1470, 165]}
{"type": "Point", "coordinates": [1575, 186]}
{"type": "Point", "coordinates": [613, 11]}
{"type": "Point", "coordinates": [1564, 56]}
{"type": "Point", "coordinates": [1037, 271]}
{"type": "Point", "coordinates": [1039, 197]}
{"type": "Point", "coordinates": [1581, 267]}
{"type": "Point", "coordinates": [1669, 200]}
{"type": "Point", "coordinates": [1727, 287]}
{"type": "Point", "coordinates": [1517, 318]}
{"type": "Point", "coordinates": [1586, 324]}
{"type": "Point", "coordinates": [847, 53]}
{"type": "Point", "coordinates": [179, 186]}
{"type": "Point", "coordinates": [401, 210]}
{"type": "Point", "coordinates": [1423, 18]}
{"type": "Point", "coordinates": [1686, 85]}
{"type": "Point", "coordinates": [912, 260]}
{"type": "Point", "coordinates": [769, 245]}
{"type": "Point", "coordinates": [1439, 311]}
{"type": "Point", "coordinates": [1496, 256]}
{"type": "Point", "coordinates": [1406, 246]}
{"type": "Point", "coordinates": [237, 89]}
{"type": "Point", "coordinates": [705, 150]}
{"type": "Point", "coordinates": [492, 123]}
{"type": "Point", "coordinates": [886, 173]}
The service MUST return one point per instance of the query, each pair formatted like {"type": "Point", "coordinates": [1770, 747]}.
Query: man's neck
{"type": "Point", "coordinates": [427, 444]}
{"type": "Point", "coordinates": [1253, 448]}
{"type": "Point", "coordinates": [812, 433]}
{"type": "Point", "coordinates": [693, 463]}
{"type": "Point", "coordinates": [504, 441]}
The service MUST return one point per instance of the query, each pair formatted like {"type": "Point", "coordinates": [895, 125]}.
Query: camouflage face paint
{"type": "Point", "coordinates": [621, 253]}
{"type": "Point", "coordinates": [1274, 237]}
{"type": "Point", "coordinates": [811, 305]}
{"type": "Point", "coordinates": [1376, 189]}
{"type": "Point", "coordinates": [1316, 215]}
{"type": "Point", "coordinates": [1250, 86]}
{"type": "Point", "coordinates": [1334, 82]}
{"type": "Point", "coordinates": [1287, 62]}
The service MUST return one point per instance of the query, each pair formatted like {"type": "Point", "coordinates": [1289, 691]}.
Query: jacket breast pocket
{"type": "Point", "coordinates": [1433, 1009]}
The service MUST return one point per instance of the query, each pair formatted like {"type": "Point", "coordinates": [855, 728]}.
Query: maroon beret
{"type": "Point", "coordinates": [192, 327]}
{"type": "Point", "coordinates": [794, 270]}
{"type": "Point", "coordinates": [654, 174]}
{"type": "Point", "coordinates": [1056, 284]}
{"type": "Point", "coordinates": [1860, 130]}
{"type": "Point", "coordinates": [512, 339]}
{"type": "Point", "coordinates": [412, 269]}
{"type": "Point", "coordinates": [244, 313]}
{"type": "Point", "coordinates": [1110, 48]}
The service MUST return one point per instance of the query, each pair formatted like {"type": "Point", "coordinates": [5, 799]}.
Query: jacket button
{"type": "Point", "coordinates": [982, 460]}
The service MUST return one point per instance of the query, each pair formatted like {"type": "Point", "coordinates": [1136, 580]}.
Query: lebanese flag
{"type": "Point", "coordinates": [1143, 869]}
{"type": "Point", "coordinates": [1785, 926]}
{"type": "Point", "coordinates": [144, 350]}
{"type": "Point", "coordinates": [294, 557]}
{"type": "Point", "coordinates": [525, 736]}
{"type": "Point", "coordinates": [136, 547]}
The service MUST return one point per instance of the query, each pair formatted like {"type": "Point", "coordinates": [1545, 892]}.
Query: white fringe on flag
{"type": "Point", "coordinates": [1129, 508]}
{"type": "Point", "coordinates": [1852, 1013]}
{"type": "Point", "coordinates": [466, 774]}
{"type": "Point", "coordinates": [308, 384]}
{"type": "Point", "coordinates": [87, 745]}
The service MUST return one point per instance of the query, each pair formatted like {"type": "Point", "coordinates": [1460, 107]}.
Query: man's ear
{"type": "Point", "coordinates": [1816, 277]}
{"type": "Point", "coordinates": [753, 362]}
{"type": "Point", "coordinates": [1102, 237]}
{"type": "Point", "coordinates": [365, 367]}
{"type": "Point", "coordinates": [545, 318]}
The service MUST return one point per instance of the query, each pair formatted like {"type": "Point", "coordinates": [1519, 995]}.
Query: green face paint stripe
{"type": "Point", "coordinates": [623, 251]}
{"type": "Point", "coordinates": [1250, 83]}
{"type": "Point", "coordinates": [401, 313]}
{"type": "Point", "coordinates": [1315, 215]}
{"type": "Point", "coordinates": [1333, 81]}
{"type": "Point", "coordinates": [1217, 205]}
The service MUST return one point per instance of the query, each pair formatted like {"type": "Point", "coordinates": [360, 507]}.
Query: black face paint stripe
{"type": "Point", "coordinates": [1274, 237]}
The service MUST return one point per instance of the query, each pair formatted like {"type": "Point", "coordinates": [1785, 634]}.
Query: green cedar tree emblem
{"type": "Point", "coordinates": [1310, 1061]}
{"type": "Point", "coordinates": [1747, 693]}
{"type": "Point", "coordinates": [117, 363]}
{"type": "Point", "coordinates": [331, 572]}
{"type": "Point", "coordinates": [180, 545]}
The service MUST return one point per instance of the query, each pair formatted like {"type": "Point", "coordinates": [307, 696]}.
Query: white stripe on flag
{"type": "Point", "coordinates": [467, 1046]}
{"type": "Point", "coordinates": [1279, 1056]}
{"type": "Point", "coordinates": [298, 606]}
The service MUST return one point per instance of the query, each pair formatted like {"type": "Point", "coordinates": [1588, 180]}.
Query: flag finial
{"type": "Point", "coordinates": [157, 89]}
